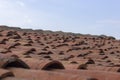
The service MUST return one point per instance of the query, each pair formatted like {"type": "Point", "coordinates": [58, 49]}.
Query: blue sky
{"type": "Point", "coordinates": [78, 16]}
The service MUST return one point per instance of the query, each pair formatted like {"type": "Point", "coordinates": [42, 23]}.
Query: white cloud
{"type": "Point", "coordinates": [4, 4]}
{"type": "Point", "coordinates": [20, 3]}
{"type": "Point", "coordinates": [13, 13]}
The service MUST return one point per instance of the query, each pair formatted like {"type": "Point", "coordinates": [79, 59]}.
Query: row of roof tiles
{"type": "Point", "coordinates": [27, 68]}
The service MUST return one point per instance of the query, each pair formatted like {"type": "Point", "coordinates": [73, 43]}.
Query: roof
{"type": "Point", "coordinates": [44, 55]}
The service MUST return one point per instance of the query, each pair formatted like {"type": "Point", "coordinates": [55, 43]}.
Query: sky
{"type": "Point", "coordinates": [95, 17]}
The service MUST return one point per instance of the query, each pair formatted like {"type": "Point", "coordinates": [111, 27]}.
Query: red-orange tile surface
{"type": "Point", "coordinates": [27, 54]}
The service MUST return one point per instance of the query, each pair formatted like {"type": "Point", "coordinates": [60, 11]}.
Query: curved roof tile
{"type": "Point", "coordinates": [12, 62]}
{"type": "Point", "coordinates": [5, 73]}
{"type": "Point", "coordinates": [43, 64]}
